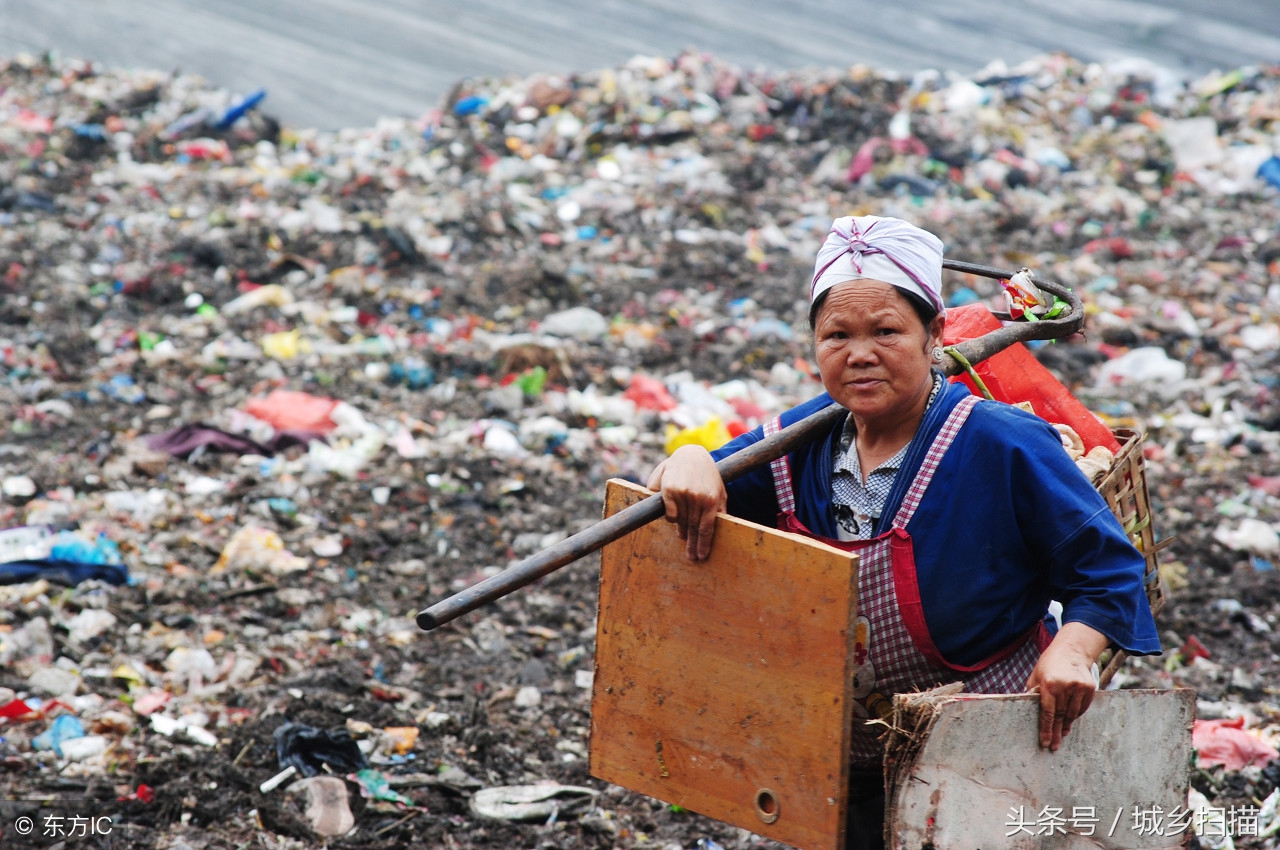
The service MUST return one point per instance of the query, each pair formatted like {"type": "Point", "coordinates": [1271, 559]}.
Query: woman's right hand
{"type": "Point", "coordinates": [693, 493]}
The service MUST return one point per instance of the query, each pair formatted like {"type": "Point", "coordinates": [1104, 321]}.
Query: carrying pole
{"type": "Point", "coordinates": [734, 466]}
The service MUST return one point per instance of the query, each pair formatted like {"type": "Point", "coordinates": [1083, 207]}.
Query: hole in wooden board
{"type": "Point", "coordinates": [766, 805]}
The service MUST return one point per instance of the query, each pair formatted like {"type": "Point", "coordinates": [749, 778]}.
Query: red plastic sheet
{"type": "Point", "coordinates": [1227, 743]}
{"type": "Point", "coordinates": [649, 393]}
{"type": "Point", "coordinates": [1015, 375]}
{"type": "Point", "coordinates": [14, 709]}
{"type": "Point", "coordinates": [288, 410]}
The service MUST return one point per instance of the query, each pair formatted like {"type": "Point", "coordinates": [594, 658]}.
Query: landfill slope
{"type": "Point", "coordinates": [411, 354]}
{"type": "Point", "coordinates": [350, 62]}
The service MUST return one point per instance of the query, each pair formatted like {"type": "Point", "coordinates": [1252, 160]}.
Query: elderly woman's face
{"type": "Point", "coordinates": [873, 352]}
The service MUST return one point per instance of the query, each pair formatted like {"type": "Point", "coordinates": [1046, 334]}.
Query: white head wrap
{"type": "Point", "coordinates": [884, 249]}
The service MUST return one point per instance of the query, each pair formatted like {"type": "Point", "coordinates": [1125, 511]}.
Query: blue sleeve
{"type": "Point", "coordinates": [752, 496]}
{"type": "Point", "coordinates": [1091, 566]}
{"type": "Point", "coordinates": [1008, 524]}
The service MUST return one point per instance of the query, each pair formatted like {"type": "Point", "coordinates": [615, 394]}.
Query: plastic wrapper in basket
{"type": "Point", "coordinates": [1125, 490]}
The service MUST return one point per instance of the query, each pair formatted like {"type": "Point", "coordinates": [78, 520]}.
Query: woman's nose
{"type": "Point", "coordinates": [860, 351]}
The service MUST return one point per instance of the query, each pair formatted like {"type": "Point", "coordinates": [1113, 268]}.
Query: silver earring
{"type": "Point", "coordinates": [937, 354]}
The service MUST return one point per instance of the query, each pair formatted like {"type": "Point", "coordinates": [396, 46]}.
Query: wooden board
{"type": "Point", "coordinates": [724, 686]}
{"type": "Point", "coordinates": [980, 778]}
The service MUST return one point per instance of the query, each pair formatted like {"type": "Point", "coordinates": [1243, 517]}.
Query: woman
{"type": "Point", "coordinates": [968, 516]}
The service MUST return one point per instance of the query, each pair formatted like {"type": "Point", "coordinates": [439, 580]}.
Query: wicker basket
{"type": "Point", "coordinates": [1125, 489]}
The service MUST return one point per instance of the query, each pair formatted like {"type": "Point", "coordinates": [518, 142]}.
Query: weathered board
{"type": "Point", "coordinates": [980, 779]}
{"type": "Point", "coordinates": [723, 686]}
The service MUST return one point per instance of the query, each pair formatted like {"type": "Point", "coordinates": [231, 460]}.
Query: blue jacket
{"type": "Point", "coordinates": [1007, 524]}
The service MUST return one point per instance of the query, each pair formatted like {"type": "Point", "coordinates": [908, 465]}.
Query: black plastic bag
{"type": "Point", "coordinates": [309, 749]}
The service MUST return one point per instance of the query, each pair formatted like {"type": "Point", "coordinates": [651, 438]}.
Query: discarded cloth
{"type": "Point", "coordinates": [181, 442]}
{"type": "Point", "coordinates": [530, 802]}
{"type": "Point", "coordinates": [67, 573]}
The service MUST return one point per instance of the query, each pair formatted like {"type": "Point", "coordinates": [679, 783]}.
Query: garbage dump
{"type": "Point", "coordinates": [271, 390]}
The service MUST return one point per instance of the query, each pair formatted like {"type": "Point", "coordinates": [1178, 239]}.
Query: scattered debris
{"type": "Point", "coordinates": [284, 388]}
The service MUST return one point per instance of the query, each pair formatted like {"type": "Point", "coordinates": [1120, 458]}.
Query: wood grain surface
{"type": "Point", "coordinates": [723, 686]}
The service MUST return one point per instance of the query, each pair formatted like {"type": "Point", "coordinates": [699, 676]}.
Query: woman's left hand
{"type": "Point", "coordinates": [1064, 679]}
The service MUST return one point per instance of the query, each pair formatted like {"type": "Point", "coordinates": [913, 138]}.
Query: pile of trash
{"type": "Point", "coordinates": [271, 391]}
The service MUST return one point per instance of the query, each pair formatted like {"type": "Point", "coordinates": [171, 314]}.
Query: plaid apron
{"type": "Point", "coordinates": [893, 651]}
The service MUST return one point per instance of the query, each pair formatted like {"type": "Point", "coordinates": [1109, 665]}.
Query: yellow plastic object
{"type": "Point", "coordinates": [129, 675]}
{"type": "Point", "coordinates": [711, 435]}
{"type": "Point", "coordinates": [400, 739]}
{"type": "Point", "coordinates": [285, 345]}
{"type": "Point", "coordinates": [257, 549]}
{"type": "Point", "coordinates": [271, 295]}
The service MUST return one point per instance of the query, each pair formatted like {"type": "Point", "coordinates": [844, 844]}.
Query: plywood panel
{"type": "Point", "coordinates": [980, 778]}
{"type": "Point", "coordinates": [723, 686]}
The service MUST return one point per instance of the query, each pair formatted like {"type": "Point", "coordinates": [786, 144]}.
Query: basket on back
{"type": "Point", "coordinates": [1125, 490]}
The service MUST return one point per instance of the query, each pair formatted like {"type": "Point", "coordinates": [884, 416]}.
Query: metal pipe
{"type": "Point", "coordinates": [734, 466]}
{"type": "Point", "coordinates": [622, 523]}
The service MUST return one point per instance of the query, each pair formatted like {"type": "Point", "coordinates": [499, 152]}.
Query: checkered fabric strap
{"type": "Point", "coordinates": [781, 473]}
{"type": "Point", "coordinates": [932, 458]}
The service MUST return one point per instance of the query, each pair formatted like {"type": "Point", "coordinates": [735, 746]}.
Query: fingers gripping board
{"type": "Point", "coordinates": [724, 686]}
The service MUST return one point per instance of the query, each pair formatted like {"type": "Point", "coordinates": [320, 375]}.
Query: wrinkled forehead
{"type": "Point", "coordinates": [864, 295]}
